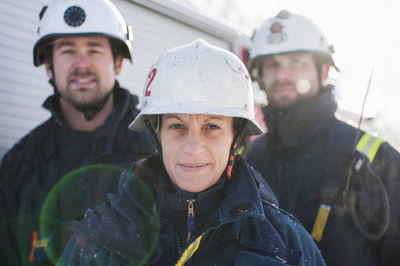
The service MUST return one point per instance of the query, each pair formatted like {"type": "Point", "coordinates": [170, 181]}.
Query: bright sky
{"type": "Point", "coordinates": [365, 35]}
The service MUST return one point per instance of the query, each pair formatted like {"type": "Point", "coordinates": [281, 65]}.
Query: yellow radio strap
{"type": "Point", "coordinates": [190, 250]}
{"type": "Point", "coordinates": [320, 222]}
{"type": "Point", "coordinates": [367, 145]}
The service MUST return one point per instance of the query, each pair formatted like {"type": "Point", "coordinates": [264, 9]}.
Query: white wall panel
{"type": "Point", "coordinates": [22, 86]}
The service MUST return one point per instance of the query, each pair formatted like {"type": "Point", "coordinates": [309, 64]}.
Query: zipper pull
{"type": "Point", "coordinates": [190, 219]}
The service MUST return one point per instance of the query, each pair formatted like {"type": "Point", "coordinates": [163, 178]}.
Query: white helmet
{"type": "Point", "coordinates": [288, 32]}
{"type": "Point", "coordinates": [198, 78]}
{"type": "Point", "coordinates": [81, 17]}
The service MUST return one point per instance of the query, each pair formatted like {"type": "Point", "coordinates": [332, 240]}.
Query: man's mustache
{"type": "Point", "coordinates": [282, 84]}
{"type": "Point", "coordinates": [80, 74]}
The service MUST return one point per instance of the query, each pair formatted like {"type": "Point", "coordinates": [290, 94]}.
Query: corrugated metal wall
{"type": "Point", "coordinates": [23, 88]}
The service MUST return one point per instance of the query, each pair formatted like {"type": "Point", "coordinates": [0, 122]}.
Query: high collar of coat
{"type": "Point", "coordinates": [291, 128]}
{"type": "Point", "coordinates": [225, 201]}
{"type": "Point", "coordinates": [121, 96]}
{"type": "Point", "coordinates": [123, 101]}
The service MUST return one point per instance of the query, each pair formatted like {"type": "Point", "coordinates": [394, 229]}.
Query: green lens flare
{"type": "Point", "coordinates": [84, 188]}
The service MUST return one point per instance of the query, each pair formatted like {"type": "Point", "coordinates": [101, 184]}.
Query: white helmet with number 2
{"type": "Point", "coordinates": [198, 78]}
{"type": "Point", "coordinates": [81, 17]}
{"type": "Point", "coordinates": [288, 32]}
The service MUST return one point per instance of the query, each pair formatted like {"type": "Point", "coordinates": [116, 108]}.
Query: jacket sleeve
{"type": "Point", "coordinates": [122, 231]}
{"type": "Point", "coordinates": [82, 252]}
{"type": "Point", "coordinates": [387, 166]}
{"type": "Point", "coordinates": [8, 211]}
{"type": "Point", "coordinates": [295, 236]}
{"type": "Point", "coordinates": [7, 186]}
{"type": "Point", "coordinates": [298, 238]}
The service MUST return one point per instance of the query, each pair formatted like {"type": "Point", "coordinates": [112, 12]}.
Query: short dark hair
{"type": "Point", "coordinates": [116, 49]}
{"type": "Point", "coordinates": [238, 125]}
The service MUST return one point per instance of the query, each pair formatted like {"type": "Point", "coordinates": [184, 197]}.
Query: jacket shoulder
{"type": "Point", "coordinates": [258, 144]}
{"type": "Point", "coordinates": [265, 190]}
{"type": "Point", "coordinates": [26, 147]}
{"type": "Point", "coordinates": [386, 151]}
{"type": "Point", "coordinates": [132, 100]}
{"type": "Point", "coordinates": [257, 149]}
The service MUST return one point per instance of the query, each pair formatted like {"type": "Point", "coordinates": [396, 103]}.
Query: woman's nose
{"type": "Point", "coordinates": [194, 143]}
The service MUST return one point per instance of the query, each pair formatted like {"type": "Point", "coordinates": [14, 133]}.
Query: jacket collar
{"type": "Point", "coordinates": [226, 201]}
{"type": "Point", "coordinates": [123, 101]}
{"type": "Point", "coordinates": [52, 103]}
{"type": "Point", "coordinates": [240, 196]}
{"type": "Point", "coordinates": [290, 128]}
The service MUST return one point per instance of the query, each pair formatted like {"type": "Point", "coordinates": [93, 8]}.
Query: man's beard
{"type": "Point", "coordinates": [70, 95]}
{"type": "Point", "coordinates": [275, 98]}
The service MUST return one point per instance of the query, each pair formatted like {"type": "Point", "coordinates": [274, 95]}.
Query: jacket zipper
{"type": "Point", "coordinates": [190, 219]}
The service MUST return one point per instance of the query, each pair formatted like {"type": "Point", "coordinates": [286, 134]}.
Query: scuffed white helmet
{"type": "Point", "coordinates": [288, 32]}
{"type": "Point", "coordinates": [198, 78]}
{"type": "Point", "coordinates": [81, 17]}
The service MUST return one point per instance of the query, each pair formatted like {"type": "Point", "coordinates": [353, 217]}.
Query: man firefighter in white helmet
{"type": "Point", "coordinates": [82, 44]}
{"type": "Point", "coordinates": [340, 182]}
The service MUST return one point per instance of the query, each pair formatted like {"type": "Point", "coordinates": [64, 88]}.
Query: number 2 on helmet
{"type": "Point", "coordinates": [150, 79]}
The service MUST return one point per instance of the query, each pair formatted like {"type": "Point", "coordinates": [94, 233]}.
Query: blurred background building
{"type": "Point", "coordinates": [364, 34]}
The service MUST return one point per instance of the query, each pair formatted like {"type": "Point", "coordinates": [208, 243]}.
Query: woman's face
{"type": "Point", "coordinates": [195, 149]}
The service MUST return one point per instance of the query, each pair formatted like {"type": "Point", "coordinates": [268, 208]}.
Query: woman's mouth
{"type": "Point", "coordinates": [192, 167]}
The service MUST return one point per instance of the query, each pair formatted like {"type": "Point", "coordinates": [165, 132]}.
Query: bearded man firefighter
{"type": "Point", "coordinates": [82, 44]}
{"type": "Point", "coordinates": [340, 182]}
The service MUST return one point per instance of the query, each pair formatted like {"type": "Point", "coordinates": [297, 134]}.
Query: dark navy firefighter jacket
{"type": "Point", "coordinates": [231, 225]}
{"type": "Point", "coordinates": [33, 167]}
{"type": "Point", "coordinates": [305, 157]}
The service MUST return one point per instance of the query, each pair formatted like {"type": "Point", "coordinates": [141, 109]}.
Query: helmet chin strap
{"type": "Point", "coordinates": [233, 152]}
{"type": "Point", "coordinates": [154, 133]}
{"type": "Point", "coordinates": [89, 112]}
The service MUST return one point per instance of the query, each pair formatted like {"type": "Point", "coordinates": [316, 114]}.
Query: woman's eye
{"type": "Point", "coordinates": [175, 126]}
{"type": "Point", "coordinates": [212, 127]}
